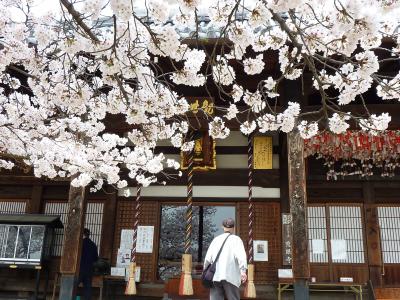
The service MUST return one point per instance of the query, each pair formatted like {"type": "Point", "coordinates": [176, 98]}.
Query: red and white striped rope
{"type": "Point", "coordinates": [189, 207]}
{"type": "Point", "coordinates": [250, 200]}
{"type": "Point", "coordinates": [135, 223]}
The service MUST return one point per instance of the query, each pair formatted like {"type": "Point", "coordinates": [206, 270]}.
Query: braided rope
{"type": "Point", "coordinates": [189, 204]}
{"type": "Point", "coordinates": [250, 200]}
{"type": "Point", "coordinates": [135, 224]}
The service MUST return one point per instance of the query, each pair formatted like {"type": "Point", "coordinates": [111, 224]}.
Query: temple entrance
{"type": "Point", "coordinates": [207, 220]}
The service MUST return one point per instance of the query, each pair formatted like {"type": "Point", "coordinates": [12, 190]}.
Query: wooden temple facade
{"type": "Point", "coordinates": [364, 213]}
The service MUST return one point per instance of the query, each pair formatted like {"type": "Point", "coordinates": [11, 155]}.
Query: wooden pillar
{"type": "Point", "coordinates": [298, 210]}
{"type": "Point", "coordinates": [110, 209]}
{"type": "Point", "coordinates": [71, 254]}
{"type": "Point", "coordinates": [283, 173]}
{"type": "Point", "coordinates": [372, 235]}
{"type": "Point", "coordinates": [34, 204]}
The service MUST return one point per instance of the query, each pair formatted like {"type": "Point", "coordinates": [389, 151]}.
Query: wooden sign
{"type": "Point", "coordinates": [262, 152]}
{"type": "Point", "coordinates": [204, 154]}
{"type": "Point", "coordinates": [286, 239]}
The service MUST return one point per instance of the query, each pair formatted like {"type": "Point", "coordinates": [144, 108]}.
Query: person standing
{"type": "Point", "coordinates": [231, 265]}
{"type": "Point", "coordinates": [89, 256]}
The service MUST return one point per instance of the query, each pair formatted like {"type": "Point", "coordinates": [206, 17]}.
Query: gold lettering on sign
{"type": "Point", "coordinates": [194, 107]}
{"type": "Point", "coordinates": [262, 152]}
{"type": "Point", "coordinates": [204, 105]}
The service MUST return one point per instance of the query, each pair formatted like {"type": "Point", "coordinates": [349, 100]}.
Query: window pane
{"type": "Point", "coordinates": [23, 242]}
{"type": "Point", "coordinates": [317, 235]}
{"type": "Point", "coordinates": [172, 238]}
{"type": "Point", "coordinates": [35, 249]}
{"type": "Point", "coordinates": [11, 240]}
{"type": "Point", "coordinates": [389, 217]}
{"type": "Point", "coordinates": [213, 217]}
{"type": "Point", "coordinates": [3, 239]}
{"type": "Point", "coordinates": [346, 234]}
{"type": "Point", "coordinates": [206, 225]}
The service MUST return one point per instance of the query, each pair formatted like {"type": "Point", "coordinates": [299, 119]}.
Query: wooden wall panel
{"type": "Point", "coordinates": [392, 275]}
{"type": "Point", "coordinates": [387, 194]}
{"type": "Point", "coordinates": [267, 227]}
{"type": "Point", "coordinates": [15, 191]}
{"type": "Point", "coordinates": [359, 273]}
{"type": "Point", "coordinates": [320, 272]}
{"type": "Point", "coordinates": [328, 192]}
{"type": "Point", "coordinates": [108, 230]}
{"type": "Point", "coordinates": [124, 220]}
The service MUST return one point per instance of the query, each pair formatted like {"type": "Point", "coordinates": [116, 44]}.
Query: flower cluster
{"type": "Point", "coordinates": [72, 81]}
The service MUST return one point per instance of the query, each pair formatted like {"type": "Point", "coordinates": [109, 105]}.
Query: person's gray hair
{"type": "Point", "coordinates": [228, 223]}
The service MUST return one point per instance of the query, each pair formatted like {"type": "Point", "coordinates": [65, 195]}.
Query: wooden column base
{"type": "Point", "coordinates": [67, 287]}
{"type": "Point", "coordinates": [301, 289]}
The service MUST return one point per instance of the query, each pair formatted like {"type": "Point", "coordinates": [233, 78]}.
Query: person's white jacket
{"type": "Point", "coordinates": [231, 261]}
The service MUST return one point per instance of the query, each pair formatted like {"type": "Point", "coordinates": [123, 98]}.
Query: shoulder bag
{"type": "Point", "coordinates": [208, 274]}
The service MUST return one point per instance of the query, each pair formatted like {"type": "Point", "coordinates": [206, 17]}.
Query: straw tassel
{"type": "Point", "coordinates": [186, 284]}
{"type": "Point", "coordinates": [131, 285]}
{"type": "Point", "coordinates": [250, 289]}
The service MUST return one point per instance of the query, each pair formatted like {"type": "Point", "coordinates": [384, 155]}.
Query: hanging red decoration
{"type": "Point", "coordinates": [356, 152]}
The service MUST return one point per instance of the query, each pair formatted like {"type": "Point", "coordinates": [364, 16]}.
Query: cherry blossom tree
{"type": "Point", "coordinates": [65, 72]}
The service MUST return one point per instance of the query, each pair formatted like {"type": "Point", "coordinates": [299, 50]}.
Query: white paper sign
{"type": "Point", "coordinates": [137, 274]}
{"type": "Point", "coordinates": [118, 271]}
{"type": "Point", "coordinates": [317, 246]}
{"type": "Point", "coordinates": [339, 249]}
{"type": "Point", "coordinates": [144, 242]}
{"type": "Point", "coordinates": [123, 258]}
{"type": "Point", "coordinates": [285, 273]}
{"type": "Point", "coordinates": [126, 239]}
{"type": "Point", "coordinates": [260, 250]}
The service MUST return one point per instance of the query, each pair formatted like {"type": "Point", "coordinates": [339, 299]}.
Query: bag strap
{"type": "Point", "coordinates": [220, 250]}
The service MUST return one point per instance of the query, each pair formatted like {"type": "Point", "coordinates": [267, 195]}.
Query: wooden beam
{"type": "Point", "coordinates": [71, 254]}
{"type": "Point", "coordinates": [283, 173]}
{"type": "Point", "coordinates": [219, 150]}
{"type": "Point", "coordinates": [15, 192]}
{"type": "Point", "coordinates": [34, 204]}
{"type": "Point", "coordinates": [373, 238]}
{"type": "Point", "coordinates": [298, 210]}
{"type": "Point", "coordinates": [232, 177]}
{"type": "Point", "coordinates": [110, 208]}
